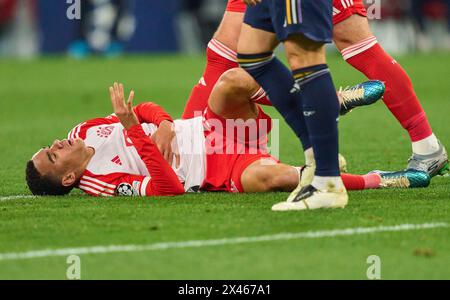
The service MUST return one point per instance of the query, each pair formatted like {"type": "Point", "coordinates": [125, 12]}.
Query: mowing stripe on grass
{"type": "Point", "coordinates": [218, 242]}
{"type": "Point", "coordinates": [16, 197]}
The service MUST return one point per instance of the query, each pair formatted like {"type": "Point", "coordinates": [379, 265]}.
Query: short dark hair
{"type": "Point", "coordinates": [44, 185]}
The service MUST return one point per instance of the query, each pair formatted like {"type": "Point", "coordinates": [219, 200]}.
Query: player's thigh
{"type": "Point", "coordinates": [229, 29]}
{"type": "Point", "coordinates": [257, 33]}
{"type": "Point", "coordinates": [231, 96]}
{"type": "Point", "coordinates": [304, 27]}
{"type": "Point", "coordinates": [302, 52]}
{"type": "Point", "coordinates": [253, 40]}
{"type": "Point", "coordinates": [351, 31]}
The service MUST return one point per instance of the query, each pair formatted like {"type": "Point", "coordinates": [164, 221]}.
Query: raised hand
{"type": "Point", "coordinates": [124, 111]}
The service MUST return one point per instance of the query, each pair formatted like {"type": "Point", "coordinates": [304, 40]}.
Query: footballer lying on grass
{"type": "Point", "coordinates": [119, 155]}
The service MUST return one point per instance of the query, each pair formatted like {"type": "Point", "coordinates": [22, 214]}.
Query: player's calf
{"type": "Point", "coordinates": [268, 176]}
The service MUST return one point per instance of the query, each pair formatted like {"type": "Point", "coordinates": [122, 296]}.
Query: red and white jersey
{"type": "Point", "coordinates": [117, 167]}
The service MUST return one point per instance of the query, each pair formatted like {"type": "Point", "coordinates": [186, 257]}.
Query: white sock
{"type": "Point", "coordinates": [327, 183]}
{"type": "Point", "coordinates": [309, 156]}
{"type": "Point", "coordinates": [426, 146]}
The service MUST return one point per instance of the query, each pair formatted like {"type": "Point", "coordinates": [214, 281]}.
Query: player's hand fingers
{"type": "Point", "coordinates": [121, 93]}
{"type": "Point", "coordinates": [130, 101]}
{"type": "Point", "coordinates": [169, 156]}
{"type": "Point", "coordinates": [165, 151]}
{"type": "Point", "coordinates": [116, 90]}
{"type": "Point", "coordinates": [112, 96]}
{"type": "Point", "coordinates": [114, 99]}
{"type": "Point", "coordinates": [164, 148]}
{"type": "Point", "coordinates": [115, 94]}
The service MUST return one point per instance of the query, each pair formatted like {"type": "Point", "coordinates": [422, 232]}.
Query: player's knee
{"type": "Point", "coordinates": [340, 35]}
{"type": "Point", "coordinates": [235, 80]}
{"type": "Point", "coordinates": [351, 31]}
{"type": "Point", "coordinates": [342, 38]}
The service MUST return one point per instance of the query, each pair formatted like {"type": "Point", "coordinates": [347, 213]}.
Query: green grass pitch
{"type": "Point", "coordinates": [42, 100]}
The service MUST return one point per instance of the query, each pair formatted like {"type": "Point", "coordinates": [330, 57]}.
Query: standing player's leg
{"type": "Point", "coordinates": [353, 37]}
{"type": "Point", "coordinates": [255, 55]}
{"type": "Point", "coordinates": [305, 27]}
{"type": "Point", "coordinates": [220, 57]}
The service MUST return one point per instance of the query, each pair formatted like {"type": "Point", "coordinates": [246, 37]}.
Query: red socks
{"type": "Point", "coordinates": [370, 58]}
{"type": "Point", "coordinates": [361, 182]}
{"type": "Point", "coordinates": [219, 59]}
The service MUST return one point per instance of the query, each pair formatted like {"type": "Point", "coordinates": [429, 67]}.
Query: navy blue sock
{"type": "Point", "coordinates": [276, 79]}
{"type": "Point", "coordinates": [321, 111]}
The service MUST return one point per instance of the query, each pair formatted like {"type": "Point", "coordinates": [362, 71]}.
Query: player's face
{"type": "Point", "coordinates": [61, 157]}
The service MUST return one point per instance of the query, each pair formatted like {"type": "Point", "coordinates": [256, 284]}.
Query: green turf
{"type": "Point", "coordinates": [41, 100]}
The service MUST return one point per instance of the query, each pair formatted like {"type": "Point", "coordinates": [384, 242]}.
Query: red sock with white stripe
{"type": "Point", "coordinates": [361, 182]}
{"type": "Point", "coordinates": [369, 58]}
{"type": "Point", "coordinates": [219, 59]}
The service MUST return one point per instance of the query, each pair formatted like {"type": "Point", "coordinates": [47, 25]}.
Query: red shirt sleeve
{"type": "Point", "coordinates": [163, 180]}
{"type": "Point", "coordinates": [117, 184]}
{"type": "Point", "coordinates": [149, 112]}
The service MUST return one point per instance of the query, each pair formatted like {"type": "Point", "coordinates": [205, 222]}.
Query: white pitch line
{"type": "Point", "coordinates": [218, 242]}
{"type": "Point", "coordinates": [16, 197]}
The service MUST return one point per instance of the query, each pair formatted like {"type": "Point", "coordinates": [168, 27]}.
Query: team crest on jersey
{"type": "Point", "coordinates": [104, 132]}
{"type": "Point", "coordinates": [125, 189]}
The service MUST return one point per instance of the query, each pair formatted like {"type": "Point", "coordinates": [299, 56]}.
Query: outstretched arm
{"type": "Point", "coordinates": [149, 112]}
{"type": "Point", "coordinates": [163, 180]}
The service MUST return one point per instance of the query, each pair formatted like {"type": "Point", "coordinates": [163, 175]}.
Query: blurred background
{"type": "Point", "coordinates": [81, 28]}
